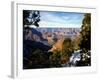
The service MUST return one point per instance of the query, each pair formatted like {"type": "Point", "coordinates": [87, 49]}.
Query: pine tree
{"type": "Point", "coordinates": [85, 43]}
{"type": "Point", "coordinates": [31, 17]}
{"type": "Point", "coordinates": [67, 50]}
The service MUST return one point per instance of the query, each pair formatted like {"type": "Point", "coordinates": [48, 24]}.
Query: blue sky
{"type": "Point", "coordinates": [61, 19]}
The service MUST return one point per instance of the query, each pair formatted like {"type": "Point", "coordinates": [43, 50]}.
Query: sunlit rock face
{"type": "Point", "coordinates": [57, 45]}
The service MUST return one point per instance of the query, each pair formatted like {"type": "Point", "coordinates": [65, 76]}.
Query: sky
{"type": "Point", "coordinates": [60, 19]}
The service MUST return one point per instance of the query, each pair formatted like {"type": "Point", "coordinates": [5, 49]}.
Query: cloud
{"type": "Point", "coordinates": [65, 17]}
{"type": "Point", "coordinates": [51, 19]}
{"type": "Point", "coordinates": [45, 24]}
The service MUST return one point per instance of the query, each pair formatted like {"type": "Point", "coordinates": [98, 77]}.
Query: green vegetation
{"type": "Point", "coordinates": [85, 43]}
{"type": "Point", "coordinates": [56, 59]}
{"type": "Point", "coordinates": [67, 50]}
{"type": "Point", "coordinates": [34, 17]}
